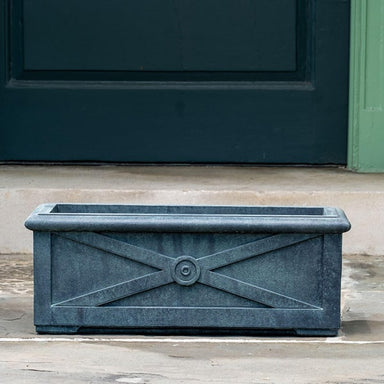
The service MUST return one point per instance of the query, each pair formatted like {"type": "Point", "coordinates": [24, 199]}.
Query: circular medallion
{"type": "Point", "coordinates": [185, 270]}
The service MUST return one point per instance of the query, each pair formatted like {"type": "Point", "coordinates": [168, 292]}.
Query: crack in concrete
{"type": "Point", "coordinates": [36, 370]}
{"type": "Point", "coordinates": [6, 315]}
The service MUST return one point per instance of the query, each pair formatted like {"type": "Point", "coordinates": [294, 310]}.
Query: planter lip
{"type": "Point", "coordinates": [178, 218]}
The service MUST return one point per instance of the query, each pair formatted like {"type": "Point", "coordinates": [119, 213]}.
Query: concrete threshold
{"type": "Point", "coordinates": [356, 356]}
{"type": "Point", "coordinates": [361, 196]}
{"type": "Point", "coordinates": [362, 308]}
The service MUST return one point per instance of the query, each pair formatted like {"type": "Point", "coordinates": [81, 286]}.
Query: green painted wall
{"type": "Point", "coordinates": [366, 130]}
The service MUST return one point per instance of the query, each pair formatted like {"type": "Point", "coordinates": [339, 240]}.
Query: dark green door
{"type": "Point", "coordinates": [233, 81]}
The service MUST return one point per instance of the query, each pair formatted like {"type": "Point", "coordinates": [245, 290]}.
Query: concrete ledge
{"type": "Point", "coordinates": [361, 196]}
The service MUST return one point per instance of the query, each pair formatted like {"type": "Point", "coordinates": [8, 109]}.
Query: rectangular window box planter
{"type": "Point", "coordinates": [187, 269]}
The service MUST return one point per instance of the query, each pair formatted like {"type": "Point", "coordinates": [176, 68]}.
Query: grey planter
{"type": "Point", "coordinates": [183, 269]}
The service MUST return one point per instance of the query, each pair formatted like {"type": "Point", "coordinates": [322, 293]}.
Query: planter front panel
{"type": "Point", "coordinates": [189, 280]}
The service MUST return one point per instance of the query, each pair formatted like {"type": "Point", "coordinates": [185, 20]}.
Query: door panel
{"type": "Point", "coordinates": [160, 35]}
{"type": "Point", "coordinates": [233, 81]}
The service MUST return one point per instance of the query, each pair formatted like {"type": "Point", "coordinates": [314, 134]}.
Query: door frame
{"type": "Point", "coordinates": [366, 94]}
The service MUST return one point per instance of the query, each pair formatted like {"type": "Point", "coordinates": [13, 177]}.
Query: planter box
{"type": "Point", "coordinates": [171, 269]}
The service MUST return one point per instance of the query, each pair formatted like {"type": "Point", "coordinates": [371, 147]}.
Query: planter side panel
{"type": "Point", "coordinates": [42, 255]}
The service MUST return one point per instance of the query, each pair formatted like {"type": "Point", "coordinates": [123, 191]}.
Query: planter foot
{"type": "Point", "coordinates": [316, 332]}
{"type": "Point", "coordinates": [47, 329]}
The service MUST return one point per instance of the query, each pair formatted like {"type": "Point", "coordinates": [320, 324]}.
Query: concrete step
{"type": "Point", "coordinates": [355, 356]}
{"type": "Point", "coordinates": [362, 300]}
{"type": "Point", "coordinates": [361, 196]}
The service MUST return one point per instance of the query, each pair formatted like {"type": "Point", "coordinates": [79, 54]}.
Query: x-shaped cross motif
{"type": "Point", "coordinates": [186, 270]}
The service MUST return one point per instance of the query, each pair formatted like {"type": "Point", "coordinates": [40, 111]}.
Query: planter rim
{"type": "Point", "coordinates": [177, 218]}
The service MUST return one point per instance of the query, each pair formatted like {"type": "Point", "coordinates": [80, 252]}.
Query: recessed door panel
{"type": "Point", "coordinates": [160, 35]}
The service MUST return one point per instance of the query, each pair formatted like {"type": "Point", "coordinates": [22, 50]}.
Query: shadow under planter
{"type": "Point", "coordinates": [187, 269]}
